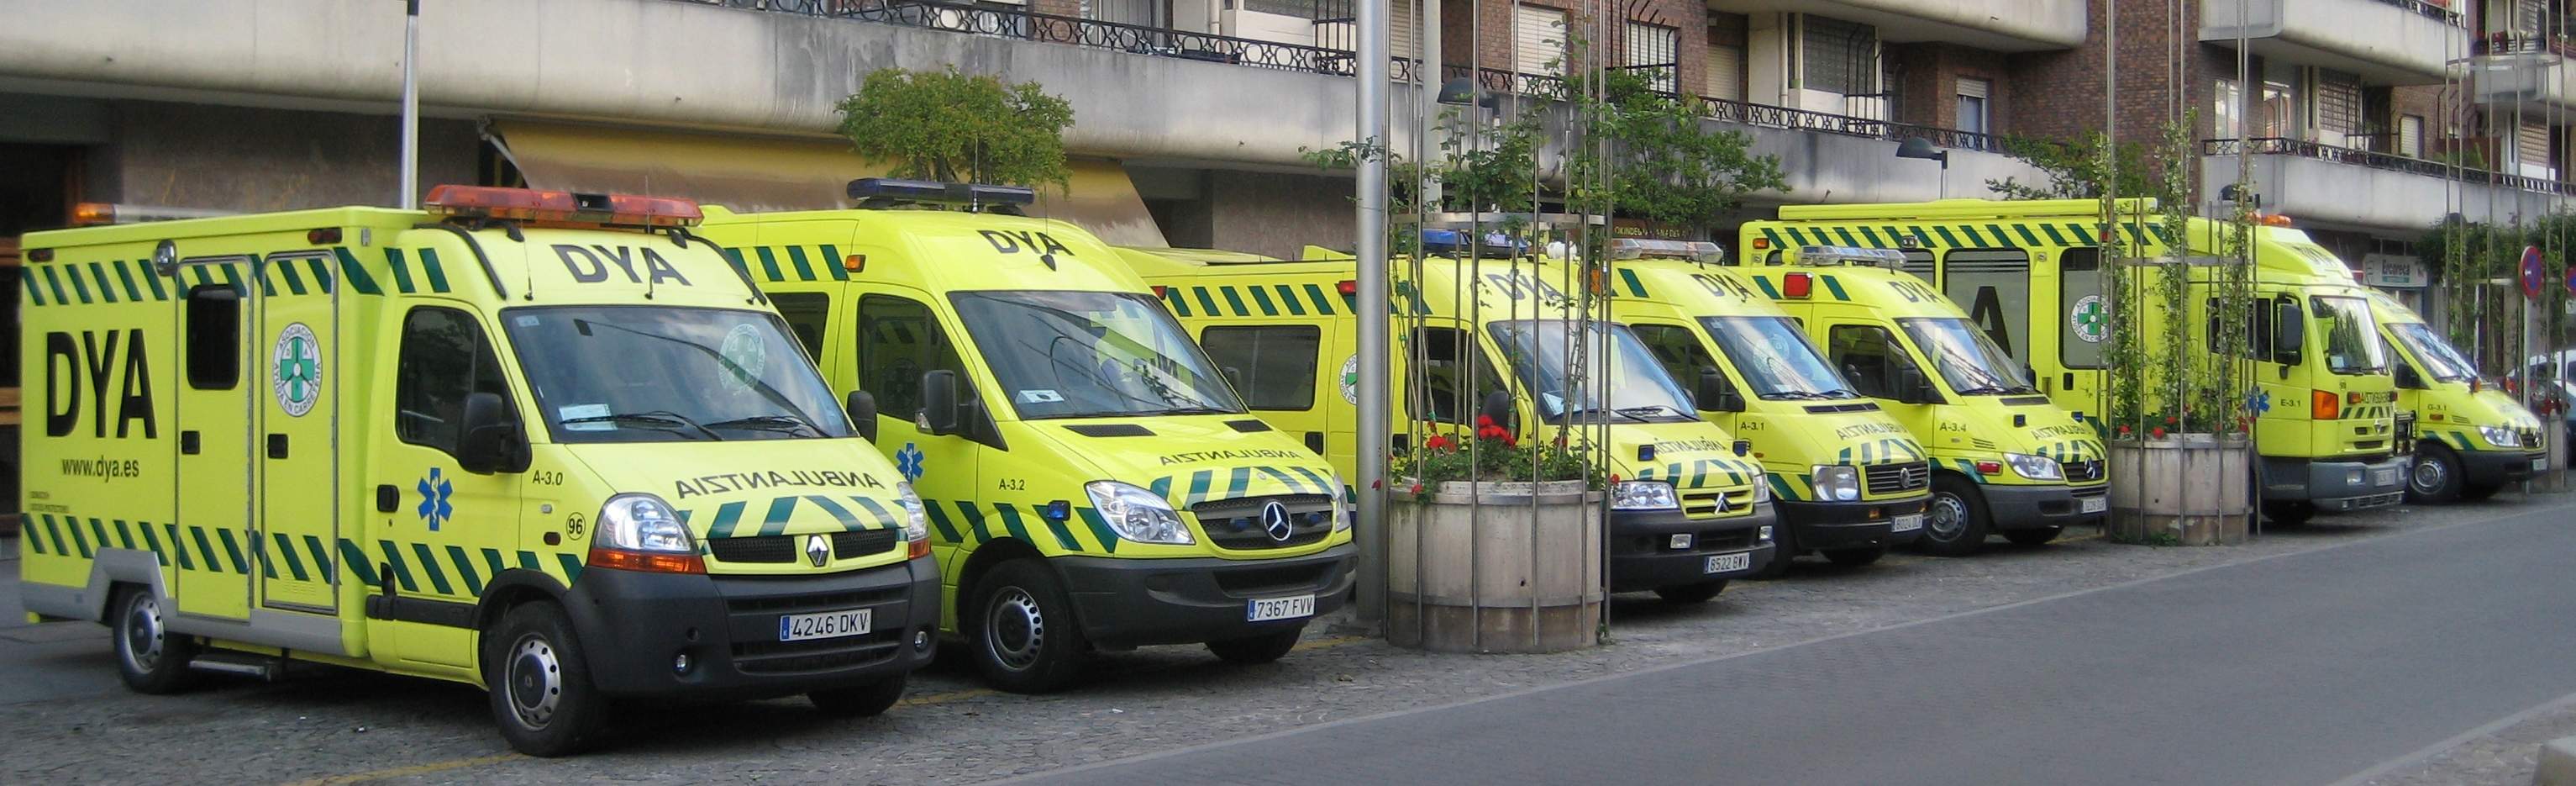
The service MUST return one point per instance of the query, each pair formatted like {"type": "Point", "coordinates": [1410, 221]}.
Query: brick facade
{"type": "Point", "coordinates": [1925, 78]}
{"type": "Point", "coordinates": [1485, 28]}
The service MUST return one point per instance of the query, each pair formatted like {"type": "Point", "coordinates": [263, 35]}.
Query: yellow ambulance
{"type": "Point", "coordinates": [1842, 471]}
{"type": "Point", "coordinates": [1689, 511]}
{"type": "Point", "coordinates": [2471, 438]}
{"type": "Point", "coordinates": [2031, 276]}
{"type": "Point", "coordinates": [543, 442]}
{"type": "Point", "coordinates": [1090, 479]}
{"type": "Point", "coordinates": [2006, 459]}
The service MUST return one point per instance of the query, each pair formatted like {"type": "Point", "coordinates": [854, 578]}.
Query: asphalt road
{"type": "Point", "coordinates": [2303, 669]}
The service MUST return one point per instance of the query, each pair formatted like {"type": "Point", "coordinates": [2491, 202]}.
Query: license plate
{"type": "Point", "coordinates": [1280, 608]}
{"type": "Point", "coordinates": [1721, 563]}
{"type": "Point", "coordinates": [826, 624]}
{"type": "Point", "coordinates": [2383, 477]}
{"type": "Point", "coordinates": [1908, 523]}
{"type": "Point", "coordinates": [2540, 465]}
{"type": "Point", "coordinates": [2092, 504]}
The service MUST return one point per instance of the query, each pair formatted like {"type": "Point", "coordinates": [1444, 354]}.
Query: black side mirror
{"type": "Point", "coordinates": [492, 440]}
{"type": "Point", "coordinates": [939, 411]}
{"type": "Point", "coordinates": [2408, 377]}
{"type": "Point", "coordinates": [862, 408]}
{"type": "Point", "coordinates": [1498, 405]}
{"type": "Point", "coordinates": [1716, 394]}
{"type": "Point", "coordinates": [1911, 387]}
{"type": "Point", "coordinates": [2289, 333]}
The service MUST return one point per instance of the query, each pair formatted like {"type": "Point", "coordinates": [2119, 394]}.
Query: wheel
{"type": "Point", "coordinates": [1955, 521]}
{"type": "Point", "coordinates": [2478, 491]}
{"type": "Point", "coordinates": [1853, 558]}
{"type": "Point", "coordinates": [861, 702]}
{"type": "Point", "coordinates": [1023, 632]}
{"type": "Point", "coordinates": [1258, 649]}
{"type": "Point", "coordinates": [149, 658]}
{"type": "Point", "coordinates": [1692, 593]}
{"type": "Point", "coordinates": [2290, 514]}
{"type": "Point", "coordinates": [541, 691]}
{"type": "Point", "coordinates": [2435, 478]}
{"type": "Point", "coordinates": [1784, 548]}
{"type": "Point", "coordinates": [2027, 538]}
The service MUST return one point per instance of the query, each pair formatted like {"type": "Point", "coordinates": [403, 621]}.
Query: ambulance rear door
{"type": "Point", "coordinates": [215, 462]}
{"type": "Point", "coordinates": [298, 360]}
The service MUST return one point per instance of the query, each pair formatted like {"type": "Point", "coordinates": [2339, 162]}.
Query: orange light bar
{"type": "Point", "coordinates": [2275, 220]}
{"type": "Point", "coordinates": [93, 214]}
{"type": "Point", "coordinates": [2325, 405]}
{"type": "Point", "coordinates": [527, 204]}
{"type": "Point", "coordinates": [647, 563]}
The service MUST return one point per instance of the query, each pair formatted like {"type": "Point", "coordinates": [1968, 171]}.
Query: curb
{"type": "Point", "coordinates": [2557, 763]}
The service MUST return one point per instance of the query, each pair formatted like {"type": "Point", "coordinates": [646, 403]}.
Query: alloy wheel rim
{"type": "Point", "coordinates": [535, 681]}
{"type": "Point", "coordinates": [2429, 475]}
{"type": "Point", "coordinates": [1948, 517]}
{"type": "Point", "coordinates": [1015, 629]}
{"type": "Point", "coordinates": [143, 634]}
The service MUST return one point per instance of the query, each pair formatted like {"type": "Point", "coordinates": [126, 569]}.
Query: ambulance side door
{"type": "Point", "coordinates": [1993, 286]}
{"type": "Point", "coordinates": [899, 338]}
{"type": "Point", "coordinates": [1274, 368]}
{"type": "Point", "coordinates": [215, 459]}
{"type": "Point", "coordinates": [2083, 314]}
{"type": "Point", "coordinates": [446, 530]}
{"type": "Point", "coordinates": [298, 362]}
{"type": "Point", "coordinates": [1679, 350]}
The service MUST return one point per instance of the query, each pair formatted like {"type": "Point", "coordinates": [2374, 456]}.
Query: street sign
{"type": "Point", "coordinates": [2571, 280]}
{"type": "Point", "coordinates": [2532, 273]}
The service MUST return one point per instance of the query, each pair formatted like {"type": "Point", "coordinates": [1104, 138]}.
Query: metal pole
{"type": "Point", "coordinates": [1374, 425]}
{"type": "Point", "coordinates": [411, 106]}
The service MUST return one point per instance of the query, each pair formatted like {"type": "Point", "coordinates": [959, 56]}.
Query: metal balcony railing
{"type": "Point", "coordinates": [2277, 146]}
{"type": "Point", "coordinates": [1799, 119]}
{"type": "Point", "coordinates": [2434, 11]}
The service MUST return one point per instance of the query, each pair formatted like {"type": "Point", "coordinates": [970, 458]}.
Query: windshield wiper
{"type": "Point", "coordinates": [1648, 410]}
{"type": "Point", "coordinates": [786, 424]}
{"type": "Point", "coordinates": [1988, 390]}
{"type": "Point", "coordinates": [662, 419]}
{"type": "Point", "coordinates": [1198, 411]}
{"type": "Point", "coordinates": [1571, 414]}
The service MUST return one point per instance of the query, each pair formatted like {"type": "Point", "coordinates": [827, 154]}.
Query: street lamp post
{"type": "Point", "coordinates": [1374, 385]}
{"type": "Point", "coordinates": [411, 106]}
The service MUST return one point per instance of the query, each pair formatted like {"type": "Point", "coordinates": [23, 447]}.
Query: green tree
{"type": "Point", "coordinates": [956, 127]}
{"type": "Point", "coordinates": [2075, 169]}
{"type": "Point", "coordinates": [1668, 165]}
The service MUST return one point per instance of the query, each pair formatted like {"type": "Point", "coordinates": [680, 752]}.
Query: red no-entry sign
{"type": "Point", "coordinates": [2532, 273]}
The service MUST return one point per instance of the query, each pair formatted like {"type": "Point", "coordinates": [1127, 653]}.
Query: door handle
{"type": "Point", "coordinates": [188, 442]}
{"type": "Point", "coordinates": [277, 446]}
{"type": "Point", "coordinates": [1315, 442]}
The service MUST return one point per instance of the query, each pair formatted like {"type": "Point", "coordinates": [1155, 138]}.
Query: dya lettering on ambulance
{"type": "Point", "coordinates": [93, 360]}
{"type": "Point", "coordinates": [1006, 242]}
{"type": "Point", "coordinates": [591, 269]}
{"type": "Point", "coordinates": [745, 481]}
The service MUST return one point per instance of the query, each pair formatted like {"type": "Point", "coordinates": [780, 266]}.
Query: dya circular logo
{"type": "Point", "coordinates": [297, 374]}
{"type": "Point", "coordinates": [2091, 319]}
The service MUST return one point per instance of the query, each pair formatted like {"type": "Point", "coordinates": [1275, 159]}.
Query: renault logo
{"type": "Point", "coordinates": [1274, 520]}
{"type": "Point", "coordinates": [818, 549]}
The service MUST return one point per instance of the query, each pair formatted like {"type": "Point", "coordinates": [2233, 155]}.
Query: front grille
{"type": "Point", "coordinates": [2084, 471]}
{"type": "Point", "coordinates": [2095, 491]}
{"type": "Point", "coordinates": [782, 657]}
{"type": "Point", "coordinates": [791, 548]}
{"type": "Point", "coordinates": [1896, 478]}
{"type": "Point", "coordinates": [821, 601]}
{"type": "Point", "coordinates": [1703, 504]}
{"type": "Point", "coordinates": [861, 543]}
{"type": "Point", "coordinates": [1236, 523]}
{"type": "Point", "coordinates": [1256, 581]}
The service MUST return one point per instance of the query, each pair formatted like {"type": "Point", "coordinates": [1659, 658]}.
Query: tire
{"type": "Point", "coordinates": [1955, 521]}
{"type": "Point", "coordinates": [149, 658]}
{"type": "Point", "coordinates": [2290, 514]}
{"type": "Point", "coordinates": [1258, 649]}
{"type": "Point", "coordinates": [1702, 592]}
{"type": "Point", "coordinates": [2473, 491]}
{"type": "Point", "coordinates": [864, 701]}
{"type": "Point", "coordinates": [541, 693]}
{"type": "Point", "coordinates": [2435, 477]}
{"type": "Point", "coordinates": [1784, 549]}
{"type": "Point", "coordinates": [1853, 558]}
{"type": "Point", "coordinates": [1022, 631]}
{"type": "Point", "coordinates": [2033, 538]}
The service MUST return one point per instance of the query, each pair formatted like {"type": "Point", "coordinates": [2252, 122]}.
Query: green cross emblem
{"type": "Point", "coordinates": [297, 375]}
{"type": "Point", "coordinates": [2091, 319]}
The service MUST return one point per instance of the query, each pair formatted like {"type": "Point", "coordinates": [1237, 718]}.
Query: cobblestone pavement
{"type": "Point", "coordinates": [66, 721]}
{"type": "Point", "coordinates": [2505, 757]}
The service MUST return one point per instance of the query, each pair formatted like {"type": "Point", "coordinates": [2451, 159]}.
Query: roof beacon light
{"type": "Point", "coordinates": [1839, 256]}
{"type": "Point", "coordinates": [528, 204]}
{"type": "Point", "coordinates": [1651, 248]}
{"type": "Point", "coordinates": [891, 189]}
{"type": "Point", "coordinates": [96, 213]}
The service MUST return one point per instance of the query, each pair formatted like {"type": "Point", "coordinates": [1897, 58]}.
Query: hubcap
{"type": "Point", "coordinates": [1946, 517]}
{"type": "Point", "coordinates": [2430, 475]}
{"type": "Point", "coordinates": [143, 633]}
{"type": "Point", "coordinates": [1015, 628]}
{"type": "Point", "coordinates": [535, 681]}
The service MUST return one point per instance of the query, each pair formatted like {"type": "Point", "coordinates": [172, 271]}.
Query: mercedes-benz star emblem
{"type": "Point", "coordinates": [1274, 520]}
{"type": "Point", "coordinates": [818, 549]}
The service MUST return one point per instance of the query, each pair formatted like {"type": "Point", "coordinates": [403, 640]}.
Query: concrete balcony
{"type": "Point", "coordinates": [2539, 83]}
{"type": "Point", "coordinates": [2387, 42]}
{"type": "Point", "coordinates": [2341, 188]}
{"type": "Point", "coordinates": [1996, 25]}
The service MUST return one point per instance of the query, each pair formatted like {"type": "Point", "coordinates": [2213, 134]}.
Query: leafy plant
{"type": "Point", "coordinates": [1665, 163]}
{"type": "Point", "coordinates": [955, 127]}
{"type": "Point", "coordinates": [1491, 454]}
{"type": "Point", "coordinates": [2075, 169]}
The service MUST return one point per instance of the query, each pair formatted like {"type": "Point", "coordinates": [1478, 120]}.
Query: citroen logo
{"type": "Point", "coordinates": [1274, 520]}
{"type": "Point", "coordinates": [818, 549]}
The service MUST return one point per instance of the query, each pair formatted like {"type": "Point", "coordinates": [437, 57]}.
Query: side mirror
{"type": "Point", "coordinates": [1715, 394]}
{"type": "Point", "coordinates": [862, 408]}
{"type": "Point", "coordinates": [2289, 333]}
{"type": "Point", "coordinates": [939, 411]}
{"type": "Point", "coordinates": [492, 440]}
{"type": "Point", "coordinates": [2408, 377]}
{"type": "Point", "coordinates": [1498, 405]}
{"type": "Point", "coordinates": [1911, 387]}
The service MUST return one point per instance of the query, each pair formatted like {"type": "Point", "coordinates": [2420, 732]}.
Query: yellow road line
{"type": "Point", "coordinates": [937, 698]}
{"type": "Point", "coordinates": [397, 772]}
{"type": "Point", "coordinates": [1331, 642]}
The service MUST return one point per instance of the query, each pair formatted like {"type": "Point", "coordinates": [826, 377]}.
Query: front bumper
{"type": "Point", "coordinates": [1139, 602]}
{"type": "Point", "coordinates": [633, 626]}
{"type": "Point", "coordinates": [1642, 556]}
{"type": "Point", "coordinates": [1845, 525]}
{"type": "Point", "coordinates": [2040, 507]}
{"type": "Point", "coordinates": [2498, 467]}
{"type": "Point", "coordinates": [2336, 485]}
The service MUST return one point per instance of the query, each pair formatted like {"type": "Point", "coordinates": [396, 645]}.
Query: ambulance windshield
{"type": "Point", "coordinates": [2442, 362]}
{"type": "Point", "coordinates": [1776, 359]}
{"type": "Point", "coordinates": [657, 374]}
{"type": "Point", "coordinates": [2352, 341]}
{"type": "Point", "coordinates": [1639, 388]}
{"type": "Point", "coordinates": [1091, 354]}
{"type": "Point", "coordinates": [1968, 360]}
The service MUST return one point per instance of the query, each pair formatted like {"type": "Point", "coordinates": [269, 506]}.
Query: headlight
{"type": "Point", "coordinates": [1343, 514]}
{"type": "Point", "coordinates": [916, 526]}
{"type": "Point", "coordinates": [1643, 495]}
{"type": "Point", "coordinates": [2034, 467]}
{"type": "Point", "coordinates": [1761, 488]}
{"type": "Point", "coordinates": [1836, 482]}
{"type": "Point", "coordinates": [2500, 437]}
{"type": "Point", "coordinates": [1136, 514]}
{"type": "Point", "coordinates": [642, 523]}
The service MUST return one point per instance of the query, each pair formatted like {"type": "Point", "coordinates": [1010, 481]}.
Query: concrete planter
{"type": "Point", "coordinates": [2186, 490]}
{"type": "Point", "coordinates": [1495, 567]}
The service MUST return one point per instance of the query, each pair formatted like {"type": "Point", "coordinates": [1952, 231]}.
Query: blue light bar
{"type": "Point", "coordinates": [1450, 242]}
{"type": "Point", "coordinates": [866, 187]}
{"type": "Point", "coordinates": [934, 191]}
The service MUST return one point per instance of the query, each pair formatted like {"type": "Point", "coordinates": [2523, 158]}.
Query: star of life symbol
{"type": "Point", "coordinates": [297, 374]}
{"type": "Point", "coordinates": [434, 494]}
{"type": "Point", "coordinates": [908, 461]}
{"type": "Point", "coordinates": [2091, 319]}
{"type": "Point", "coordinates": [2260, 401]}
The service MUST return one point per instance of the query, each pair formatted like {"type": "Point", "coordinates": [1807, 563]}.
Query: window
{"type": "Point", "coordinates": [214, 337]}
{"type": "Point", "coordinates": [807, 313]}
{"type": "Point", "coordinates": [1869, 356]}
{"type": "Point", "coordinates": [1538, 40]}
{"type": "Point", "coordinates": [1654, 50]}
{"type": "Point", "coordinates": [1272, 366]}
{"type": "Point", "coordinates": [655, 374]}
{"type": "Point", "coordinates": [1678, 350]}
{"type": "Point", "coordinates": [1972, 106]}
{"type": "Point", "coordinates": [1440, 394]}
{"type": "Point", "coordinates": [2085, 328]}
{"type": "Point", "coordinates": [2410, 136]}
{"type": "Point", "coordinates": [2338, 109]}
{"type": "Point", "coordinates": [2224, 124]}
{"type": "Point", "coordinates": [899, 339]}
{"type": "Point", "coordinates": [1726, 72]}
{"type": "Point", "coordinates": [1841, 57]}
{"type": "Point", "coordinates": [444, 358]}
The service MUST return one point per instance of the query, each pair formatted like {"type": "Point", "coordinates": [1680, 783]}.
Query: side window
{"type": "Point", "coordinates": [1993, 285]}
{"type": "Point", "coordinates": [445, 357]}
{"type": "Point", "coordinates": [899, 338]}
{"type": "Point", "coordinates": [1869, 356]}
{"type": "Point", "coordinates": [214, 337]}
{"type": "Point", "coordinates": [2084, 314]}
{"type": "Point", "coordinates": [1678, 350]}
{"type": "Point", "coordinates": [1272, 366]}
{"type": "Point", "coordinates": [1439, 384]}
{"type": "Point", "coordinates": [807, 313]}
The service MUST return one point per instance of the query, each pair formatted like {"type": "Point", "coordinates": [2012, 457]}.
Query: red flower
{"type": "Point", "coordinates": [2160, 433]}
{"type": "Point", "coordinates": [1439, 442]}
{"type": "Point", "coordinates": [1484, 421]}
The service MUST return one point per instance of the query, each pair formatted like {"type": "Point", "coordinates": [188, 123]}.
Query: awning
{"type": "Point", "coordinates": [763, 174]}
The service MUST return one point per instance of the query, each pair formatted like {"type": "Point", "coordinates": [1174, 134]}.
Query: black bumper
{"type": "Point", "coordinates": [1849, 525]}
{"type": "Point", "coordinates": [2497, 467]}
{"type": "Point", "coordinates": [1140, 602]}
{"type": "Point", "coordinates": [633, 626]}
{"type": "Point", "coordinates": [1642, 555]}
{"type": "Point", "coordinates": [2040, 507]}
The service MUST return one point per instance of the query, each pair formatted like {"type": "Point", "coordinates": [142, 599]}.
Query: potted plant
{"type": "Point", "coordinates": [1495, 545]}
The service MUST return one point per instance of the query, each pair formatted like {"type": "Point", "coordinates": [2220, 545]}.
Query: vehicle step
{"type": "Point", "coordinates": [244, 665]}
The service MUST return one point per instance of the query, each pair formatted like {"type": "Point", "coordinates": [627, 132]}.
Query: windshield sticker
{"type": "Point", "coordinates": [297, 374]}
{"type": "Point", "coordinates": [524, 320]}
{"type": "Point", "coordinates": [1351, 379]}
{"type": "Point", "coordinates": [594, 415]}
{"type": "Point", "coordinates": [1223, 455]}
{"type": "Point", "coordinates": [1040, 396]}
{"type": "Point", "coordinates": [745, 481]}
{"type": "Point", "coordinates": [745, 356]}
{"type": "Point", "coordinates": [2090, 319]}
